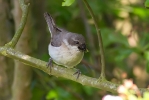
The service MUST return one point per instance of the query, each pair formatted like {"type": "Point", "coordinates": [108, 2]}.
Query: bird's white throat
{"type": "Point", "coordinates": [66, 55]}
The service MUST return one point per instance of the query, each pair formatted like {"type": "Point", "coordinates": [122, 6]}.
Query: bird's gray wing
{"type": "Point", "coordinates": [56, 40]}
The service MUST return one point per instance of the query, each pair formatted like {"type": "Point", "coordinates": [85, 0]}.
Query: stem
{"type": "Point", "coordinates": [25, 10]}
{"type": "Point", "coordinates": [102, 76]}
{"type": "Point", "coordinates": [89, 35]}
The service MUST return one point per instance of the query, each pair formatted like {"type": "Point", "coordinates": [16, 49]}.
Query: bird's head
{"type": "Point", "coordinates": [78, 41]}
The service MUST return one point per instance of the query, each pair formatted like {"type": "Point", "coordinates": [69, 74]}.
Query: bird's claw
{"type": "Point", "coordinates": [78, 72]}
{"type": "Point", "coordinates": [50, 64]}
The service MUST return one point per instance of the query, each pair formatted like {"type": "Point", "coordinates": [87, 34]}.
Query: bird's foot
{"type": "Point", "coordinates": [50, 64]}
{"type": "Point", "coordinates": [78, 72]}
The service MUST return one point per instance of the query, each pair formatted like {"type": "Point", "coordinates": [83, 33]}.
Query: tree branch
{"type": "Point", "coordinates": [99, 40]}
{"type": "Point", "coordinates": [25, 10]}
{"type": "Point", "coordinates": [60, 71]}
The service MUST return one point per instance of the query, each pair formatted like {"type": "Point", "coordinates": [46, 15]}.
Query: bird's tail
{"type": "Point", "coordinates": [51, 24]}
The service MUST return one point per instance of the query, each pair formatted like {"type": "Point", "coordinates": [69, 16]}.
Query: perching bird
{"type": "Point", "coordinates": [65, 48]}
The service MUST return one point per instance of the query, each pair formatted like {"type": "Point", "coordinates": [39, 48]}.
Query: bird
{"type": "Point", "coordinates": [65, 48]}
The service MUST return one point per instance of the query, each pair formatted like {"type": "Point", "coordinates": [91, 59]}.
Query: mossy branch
{"type": "Point", "coordinates": [25, 10]}
{"type": "Point", "coordinates": [60, 71]}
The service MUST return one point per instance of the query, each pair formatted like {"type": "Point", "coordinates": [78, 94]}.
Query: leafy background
{"type": "Point", "coordinates": [125, 31]}
{"type": "Point", "coordinates": [124, 26]}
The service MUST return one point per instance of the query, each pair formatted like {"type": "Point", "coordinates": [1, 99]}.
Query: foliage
{"type": "Point", "coordinates": [67, 2]}
{"type": "Point", "coordinates": [147, 3]}
{"type": "Point", "coordinates": [122, 58]}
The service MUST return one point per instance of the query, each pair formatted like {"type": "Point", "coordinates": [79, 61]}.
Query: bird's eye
{"type": "Point", "coordinates": [77, 42]}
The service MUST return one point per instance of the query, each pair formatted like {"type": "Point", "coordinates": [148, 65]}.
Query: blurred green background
{"type": "Point", "coordinates": [124, 25]}
{"type": "Point", "coordinates": [125, 31]}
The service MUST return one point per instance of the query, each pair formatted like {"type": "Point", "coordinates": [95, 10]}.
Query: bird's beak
{"type": "Point", "coordinates": [83, 48]}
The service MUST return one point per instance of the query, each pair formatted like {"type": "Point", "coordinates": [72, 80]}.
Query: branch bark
{"type": "Point", "coordinates": [60, 71]}
{"type": "Point", "coordinates": [25, 9]}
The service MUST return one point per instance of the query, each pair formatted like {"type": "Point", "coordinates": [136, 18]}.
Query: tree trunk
{"type": "Point", "coordinates": [23, 73]}
{"type": "Point", "coordinates": [6, 64]}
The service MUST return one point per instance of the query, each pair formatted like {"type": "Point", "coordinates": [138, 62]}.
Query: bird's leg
{"type": "Point", "coordinates": [50, 64]}
{"type": "Point", "coordinates": [78, 72]}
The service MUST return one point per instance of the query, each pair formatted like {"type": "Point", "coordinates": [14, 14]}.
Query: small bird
{"type": "Point", "coordinates": [65, 48]}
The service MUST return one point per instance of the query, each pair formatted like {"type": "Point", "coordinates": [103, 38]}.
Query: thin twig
{"type": "Point", "coordinates": [87, 27]}
{"type": "Point", "coordinates": [99, 40]}
{"type": "Point", "coordinates": [25, 10]}
{"type": "Point", "coordinates": [89, 34]}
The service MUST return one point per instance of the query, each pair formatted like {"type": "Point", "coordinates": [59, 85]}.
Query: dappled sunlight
{"type": "Point", "coordinates": [133, 39]}
{"type": "Point", "coordinates": [126, 28]}
{"type": "Point", "coordinates": [141, 75]}
{"type": "Point", "coordinates": [127, 2]}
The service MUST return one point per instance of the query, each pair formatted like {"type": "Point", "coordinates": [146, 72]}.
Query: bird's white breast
{"type": "Point", "coordinates": [66, 55]}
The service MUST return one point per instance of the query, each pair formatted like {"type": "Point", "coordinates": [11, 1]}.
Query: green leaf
{"type": "Point", "coordinates": [140, 12]}
{"type": "Point", "coordinates": [146, 54]}
{"type": "Point", "coordinates": [147, 3]}
{"type": "Point", "coordinates": [52, 95]}
{"type": "Point", "coordinates": [67, 2]}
